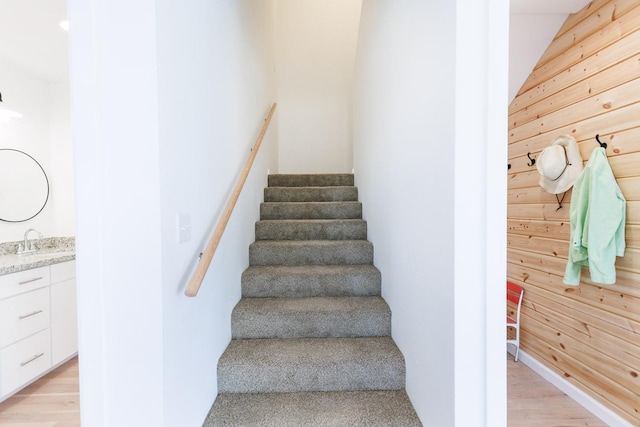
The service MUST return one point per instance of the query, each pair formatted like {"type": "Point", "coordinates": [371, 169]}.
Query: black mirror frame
{"type": "Point", "coordinates": [46, 179]}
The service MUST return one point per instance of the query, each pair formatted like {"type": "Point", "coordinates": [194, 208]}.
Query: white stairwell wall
{"type": "Point", "coordinates": [212, 108]}
{"type": "Point", "coordinates": [167, 100]}
{"type": "Point", "coordinates": [430, 161]}
{"type": "Point", "coordinates": [315, 45]}
{"type": "Point", "coordinates": [404, 170]}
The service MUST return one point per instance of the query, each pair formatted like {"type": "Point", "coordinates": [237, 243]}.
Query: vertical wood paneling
{"type": "Point", "coordinates": [586, 83]}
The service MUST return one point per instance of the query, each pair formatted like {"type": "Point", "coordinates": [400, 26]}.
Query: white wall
{"type": "Point", "coordinates": [316, 43]}
{"type": "Point", "coordinates": [403, 155]}
{"type": "Point", "coordinates": [165, 110]}
{"type": "Point", "coordinates": [61, 176]}
{"type": "Point", "coordinates": [529, 36]}
{"type": "Point", "coordinates": [216, 84]}
{"type": "Point", "coordinates": [44, 133]}
{"type": "Point", "coordinates": [422, 152]}
{"type": "Point", "coordinates": [533, 25]}
{"type": "Point", "coordinates": [480, 211]}
{"type": "Point", "coordinates": [115, 127]}
{"type": "Point", "coordinates": [29, 96]}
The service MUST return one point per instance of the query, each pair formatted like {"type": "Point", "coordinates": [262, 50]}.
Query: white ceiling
{"type": "Point", "coordinates": [31, 39]}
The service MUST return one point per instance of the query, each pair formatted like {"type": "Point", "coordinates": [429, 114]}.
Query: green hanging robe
{"type": "Point", "coordinates": [597, 215]}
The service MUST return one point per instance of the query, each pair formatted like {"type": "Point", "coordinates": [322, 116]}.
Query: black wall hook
{"type": "Point", "coordinates": [602, 144]}
{"type": "Point", "coordinates": [533, 161]}
{"type": "Point", "coordinates": [560, 201]}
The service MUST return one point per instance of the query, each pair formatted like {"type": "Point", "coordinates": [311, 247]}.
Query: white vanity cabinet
{"type": "Point", "coordinates": [37, 323]}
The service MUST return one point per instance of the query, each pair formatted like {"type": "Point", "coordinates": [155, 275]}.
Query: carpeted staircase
{"type": "Point", "coordinates": [311, 342]}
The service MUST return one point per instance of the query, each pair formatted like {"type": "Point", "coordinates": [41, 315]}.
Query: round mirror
{"type": "Point", "coordinates": [24, 187]}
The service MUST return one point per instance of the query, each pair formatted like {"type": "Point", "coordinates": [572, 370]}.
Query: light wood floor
{"type": "Point", "coordinates": [54, 401]}
{"type": "Point", "coordinates": [534, 402]}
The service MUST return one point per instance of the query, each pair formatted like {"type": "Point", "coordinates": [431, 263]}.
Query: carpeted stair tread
{"type": "Point", "coordinates": [310, 180]}
{"type": "Point", "coordinates": [311, 194]}
{"type": "Point", "coordinates": [311, 281]}
{"type": "Point", "coordinates": [310, 252]}
{"type": "Point", "coordinates": [311, 337]}
{"type": "Point", "coordinates": [315, 317]}
{"type": "Point", "coordinates": [310, 364]}
{"type": "Point", "coordinates": [311, 210]}
{"type": "Point", "coordinates": [314, 409]}
{"type": "Point", "coordinates": [311, 229]}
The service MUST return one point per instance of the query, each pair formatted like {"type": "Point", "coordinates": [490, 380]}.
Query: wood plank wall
{"type": "Point", "coordinates": [586, 83]}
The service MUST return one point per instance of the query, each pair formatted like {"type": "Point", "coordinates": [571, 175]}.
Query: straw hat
{"type": "Point", "coordinates": [559, 165]}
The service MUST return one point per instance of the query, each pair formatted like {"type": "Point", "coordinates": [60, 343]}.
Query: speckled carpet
{"type": "Point", "coordinates": [311, 335]}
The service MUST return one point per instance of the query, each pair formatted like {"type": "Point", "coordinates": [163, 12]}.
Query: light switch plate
{"type": "Point", "coordinates": [184, 227]}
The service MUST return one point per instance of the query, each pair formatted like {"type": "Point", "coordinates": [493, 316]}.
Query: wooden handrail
{"type": "Point", "coordinates": [210, 249]}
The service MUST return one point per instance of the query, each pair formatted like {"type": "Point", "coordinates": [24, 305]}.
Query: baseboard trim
{"type": "Point", "coordinates": [583, 399]}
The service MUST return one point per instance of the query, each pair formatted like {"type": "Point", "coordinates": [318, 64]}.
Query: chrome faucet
{"type": "Point", "coordinates": [26, 246]}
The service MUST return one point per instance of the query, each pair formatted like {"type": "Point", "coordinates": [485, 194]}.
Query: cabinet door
{"type": "Point", "coordinates": [63, 271]}
{"type": "Point", "coordinates": [64, 321]}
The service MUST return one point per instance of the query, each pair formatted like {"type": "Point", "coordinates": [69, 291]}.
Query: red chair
{"type": "Point", "coordinates": [514, 294]}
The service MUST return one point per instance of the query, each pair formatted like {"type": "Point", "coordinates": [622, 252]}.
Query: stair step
{"type": "Point", "coordinates": [310, 194]}
{"type": "Point", "coordinates": [316, 317]}
{"type": "Point", "coordinates": [310, 364]}
{"type": "Point", "coordinates": [311, 281]}
{"type": "Point", "coordinates": [310, 180]}
{"type": "Point", "coordinates": [314, 409]}
{"type": "Point", "coordinates": [310, 252]}
{"type": "Point", "coordinates": [311, 210]}
{"type": "Point", "coordinates": [311, 342]}
{"type": "Point", "coordinates": [311, 229]}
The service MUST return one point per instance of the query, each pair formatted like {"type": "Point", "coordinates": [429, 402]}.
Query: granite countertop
{"type": "Point", "coordinates": [51, 250]}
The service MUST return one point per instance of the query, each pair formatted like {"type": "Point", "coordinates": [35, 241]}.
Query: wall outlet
{"type": "Point", "coordinates": [184, 227]}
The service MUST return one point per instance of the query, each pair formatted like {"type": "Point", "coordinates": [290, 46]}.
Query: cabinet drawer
{"type": "Point", "coordinates": [63, 271]}
{"type": "Point", "coordinates": [24, 281]}
{"type": "Point", "coordinates": [24, 315]}
{"type": "Point", "coordinates": [24, 361]}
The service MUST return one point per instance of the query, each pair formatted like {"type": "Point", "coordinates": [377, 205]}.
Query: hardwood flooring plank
{"type": "Point", "coordinates": [52, 401]}
{"type": "Point", "coordinates": [534, 402]}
